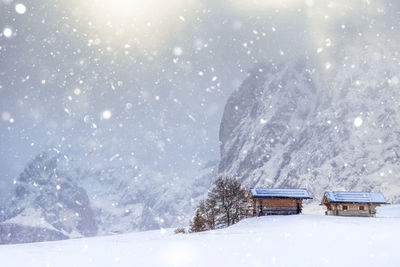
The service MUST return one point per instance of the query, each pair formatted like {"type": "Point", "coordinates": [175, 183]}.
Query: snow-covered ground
{"type": "Point", "coordinates": [299, 240]}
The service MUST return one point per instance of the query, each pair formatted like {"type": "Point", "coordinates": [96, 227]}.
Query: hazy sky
{"type": "Point", "coordinates": [145, 82]}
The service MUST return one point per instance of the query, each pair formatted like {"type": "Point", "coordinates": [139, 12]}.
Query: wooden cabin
{"type": "Point", "coordinates": [361, 204]}
{"type": "Point", "coordinates": [274, 201]}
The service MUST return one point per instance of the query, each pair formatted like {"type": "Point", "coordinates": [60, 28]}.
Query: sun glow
{"type": "Point", "coordinates": [262, 4]}
{"type": "Point", "coordinates": [124, 12]}
{"type": "Point", "coordinates": [144, 22]}
{"type": "Point", "coordinates": [144, 26]}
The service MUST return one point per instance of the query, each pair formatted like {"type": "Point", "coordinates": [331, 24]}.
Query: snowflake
{"type": "Point", "coordinates": [7, 32]}
{"type": "Point", "coordinates": [106, 115]}
{"type": "Point", "coordinates": [358, 122]}
{"type": "Point", "coordinates": [20, 8]}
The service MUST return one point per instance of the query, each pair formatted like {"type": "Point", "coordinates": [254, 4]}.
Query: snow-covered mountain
{"type": "Point", "coordinates": [323, 127]}
{"type": "Point", "coordinates": [292, 124]}
{"type": "Point", "coordinates": [55, 198]}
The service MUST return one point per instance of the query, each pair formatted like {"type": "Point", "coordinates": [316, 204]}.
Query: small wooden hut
{"type": "Point", "coordinates": [352, 203]}
{"type": "Point", "coordinates": [274, 201]}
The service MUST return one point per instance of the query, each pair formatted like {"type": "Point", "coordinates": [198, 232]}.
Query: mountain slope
{"type": "Point", "coordinates": [294, 125]}
{"type": "Point", "coordinates": [57, 197]}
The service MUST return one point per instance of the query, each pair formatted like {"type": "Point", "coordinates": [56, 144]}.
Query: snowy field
{"type": "Point", "coordinates": [298, 240]}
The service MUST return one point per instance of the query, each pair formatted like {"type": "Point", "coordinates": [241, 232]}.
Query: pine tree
{"type": "Point", "coordinates": [198, 224]}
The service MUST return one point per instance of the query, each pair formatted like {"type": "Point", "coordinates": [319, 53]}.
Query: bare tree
{"type": "Point", "coordinates": [225, 205]}
{"type": "Point", "coordinates": [230, 199]}
{"type": "Point", "coordinates": [210, 213]}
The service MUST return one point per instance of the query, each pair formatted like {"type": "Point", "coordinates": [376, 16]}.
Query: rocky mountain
{"type": "Point", "coordinates": [56, 198]}
{"type": "Point", "coordinates": [330, 126]}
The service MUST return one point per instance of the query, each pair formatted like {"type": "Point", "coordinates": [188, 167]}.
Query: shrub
{"type": "Point", "coordinates": [180, 230]}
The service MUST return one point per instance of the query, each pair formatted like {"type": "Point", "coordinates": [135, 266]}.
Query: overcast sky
{"type": "Point", "coordinates": [145, 82]}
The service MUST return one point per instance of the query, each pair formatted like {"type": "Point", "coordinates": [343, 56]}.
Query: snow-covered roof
{"type": "Point", "coordinates": [279, 193]}
{"type": "Point", "coordinates": [355, 197]}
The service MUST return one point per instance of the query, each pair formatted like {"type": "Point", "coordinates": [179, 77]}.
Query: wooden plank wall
{"type": "Point", "coordinates": [336, 209]}
{"type": "Point", "coordinates": [275, 206]}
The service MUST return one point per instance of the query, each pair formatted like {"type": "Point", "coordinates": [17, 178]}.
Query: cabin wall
{"type": "Point", "coordinates": [280, 202]}
{"type": "Point", "coordinates": [275, 206]}
{"type": "Point", "coordinates": [336, 209]}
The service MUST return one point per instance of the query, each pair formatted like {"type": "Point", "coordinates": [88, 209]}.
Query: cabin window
{"type": "Point", "coordinates": [344, 207]}
{"type": "Point", "coordinates": [361, 207]}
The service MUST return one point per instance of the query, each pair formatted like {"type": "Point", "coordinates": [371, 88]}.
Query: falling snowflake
{"type": "Point", "coordinates": [6, 116]}
{"type": "Point", "coordinates": [178, 51]}
{"type": "Point", "coordinates": [358, 122]}
{"type": "Point", "coordinates": [106, 115]}
{"type": "Point", "coordinates": [328, 65]}
{"type": "Point", "coordinates": [7, 32]}
{"type": "Point", "coordinates": [20, 8]}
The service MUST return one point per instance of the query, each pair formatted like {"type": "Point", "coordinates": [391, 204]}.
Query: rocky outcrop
{"type": "Point", "coordinates": [56, 198]}
{"type": "Point", "coordinates": [288, 127]}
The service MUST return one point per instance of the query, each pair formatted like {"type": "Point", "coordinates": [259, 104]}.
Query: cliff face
{"type": "Point", "coordinates": [56, 198]}
{"type": "Point", "coordinates": [294, 125]}
{"type": "Point", "coordinates": [48, 201]}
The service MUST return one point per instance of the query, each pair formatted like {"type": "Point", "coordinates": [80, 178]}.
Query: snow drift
{"type": "Point", "coordinates": [297, 240]}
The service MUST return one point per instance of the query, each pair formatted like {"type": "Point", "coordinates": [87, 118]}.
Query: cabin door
{"type": "Point", "coordinates": [261, 212]}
